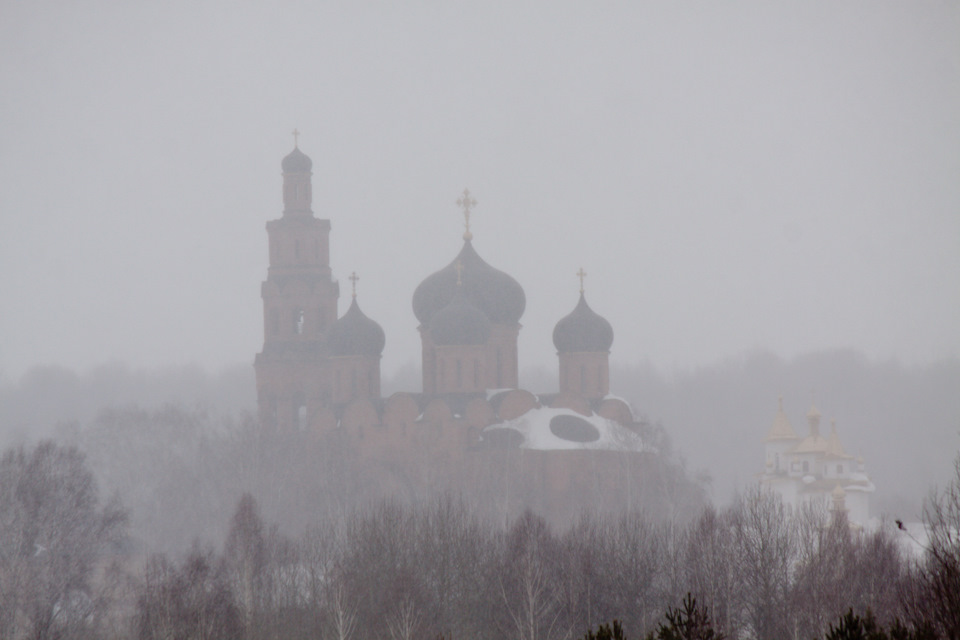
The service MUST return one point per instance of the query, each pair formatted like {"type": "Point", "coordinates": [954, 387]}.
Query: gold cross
{"type": "Point", "coordinates": [466, 201]}
{"type": "Point", "coordinates": [353, 279]}
{"type": "Point", "coordinates": [459, 268]}
{"type": "Point", "coordinates": [581, 274]}
{"type": "Point", "coordinates": [295, 134]}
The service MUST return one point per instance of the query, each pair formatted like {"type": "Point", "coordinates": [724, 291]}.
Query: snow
{"type": "Point", "coordinates": [534, 426]}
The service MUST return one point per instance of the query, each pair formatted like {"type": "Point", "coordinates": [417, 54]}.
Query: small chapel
{"type": "Point", "coordinates": [319, 373]}
{"type": "Point", "coordinates": [815, 468]}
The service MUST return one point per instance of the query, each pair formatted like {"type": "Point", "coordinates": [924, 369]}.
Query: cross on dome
{"type": "Point", "coordinates": [296, 133]}
{"type": "Point", "coordinates": [353, 280]}
{"type": "Point", "coordinates": [466, 202]}
{"type": "Point", "coordinates": [581, 274]}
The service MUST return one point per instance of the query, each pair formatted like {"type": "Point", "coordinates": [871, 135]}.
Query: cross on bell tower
{"type": "Point", "coordinates": [466, 202]}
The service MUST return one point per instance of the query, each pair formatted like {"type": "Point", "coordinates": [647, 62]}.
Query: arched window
{"type": "Point", "coordinates": [298, 321]}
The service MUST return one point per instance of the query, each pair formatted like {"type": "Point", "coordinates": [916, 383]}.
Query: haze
{"type": "Point", "coordinates": [734, 177]}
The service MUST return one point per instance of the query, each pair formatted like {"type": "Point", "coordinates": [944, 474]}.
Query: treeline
{"type": "Point", "coordinates": [440, 570]}
{"type": "Point", "coordinates": [717, 415]}
{"type": "Point", "coordinates": [180, 472]}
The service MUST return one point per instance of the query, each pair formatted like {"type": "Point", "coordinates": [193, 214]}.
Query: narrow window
{"type": "Point", "coordinates": [459, 374]}
{"type": "Point", "coordinates": [339, 384]}
{"type": "Point", "coordinates": [476, 373]}
{"type": "Point", "coordinates": [776, 459]}
{"type": "Point", "coordinates": [442, 371]}
{"type": "Point", "coordinates": [806, 467]}
{"type": "Point", "coordinates": [353, 383]}
{"type": "Point", "coordinates": [296, 249]}
{"type": "Point", "coordinates": [298, 321]}
{"type": "Point", "coordinates": [839, 469]}
{"type": "Point", "coordinates": [499, 370]}
{"type": "Point", "coordinates": [583, 379]}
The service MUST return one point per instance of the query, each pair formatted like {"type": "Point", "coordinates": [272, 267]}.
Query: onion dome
{"type": "Point", "coordinates": [582, 331]}
{"type": "Point", "coordinates": [497, 295]}
{"type": "Point", "coordinates": [355, 334]}
{"type": "Point", "coordinates": [296, 162]}
{"type": "Point", "coordinates": [459, 323]}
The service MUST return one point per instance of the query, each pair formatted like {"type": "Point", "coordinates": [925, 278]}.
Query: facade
{"type": "Point", "coordinates": [815, 467]}
{"type": "Point", "coordinates": [470, 425]}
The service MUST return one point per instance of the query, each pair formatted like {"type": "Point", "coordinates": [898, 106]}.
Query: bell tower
{"type": "Point", "coordinates": [299, 306]}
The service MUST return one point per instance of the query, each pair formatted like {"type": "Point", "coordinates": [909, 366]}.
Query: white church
{"type": "Point", "coordinates": [814, 467]}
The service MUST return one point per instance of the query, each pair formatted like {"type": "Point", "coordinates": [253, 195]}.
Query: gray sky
{"type": "Point", "coordinates": [731, 176]}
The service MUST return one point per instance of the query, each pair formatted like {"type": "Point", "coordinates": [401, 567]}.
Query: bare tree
{"type": "Point", "coordinates": [764, 553]}
{"type": "Point", "coordinates": [936, 586]}
{"type": "Point", "coordinates": [342, 615]}
{"type": "Point", "coordinates": [529, 584]}
{"type": "Point", "coordinates": [245, 556]}
{"type": "Point", "coordinates": [191, 601]}
{"type": "Point", "coordinates": [52, 532]}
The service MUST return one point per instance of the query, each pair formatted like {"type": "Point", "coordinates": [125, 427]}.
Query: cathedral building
{"type": "Point", "coordinates": [815, 468]}
{"type": "Point", "coordinates": [471, 424]}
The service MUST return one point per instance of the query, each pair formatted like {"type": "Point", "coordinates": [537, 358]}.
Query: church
{"type": "Point", "coordinates": [815, 468]}
{"type": "Point", "coordinates": [470, 425]}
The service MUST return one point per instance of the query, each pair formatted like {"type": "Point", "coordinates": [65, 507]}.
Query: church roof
{"type": "Point", "coordinates": [460, 323]}
{"type": "Point", "coordinates": [296, 162]}
{"type": "Point", "coordinates": [834, 448]}
{"type": "Point", "coordinates": [582, 330]}
{"type": "Point", "coordinates": [495, 293]}
{"type": "Point", "coordinates": [811, 444]}
{"type": "Point", "coordinates": [355, 334]}
{"type": "Point", "coordinates": [781, 429]}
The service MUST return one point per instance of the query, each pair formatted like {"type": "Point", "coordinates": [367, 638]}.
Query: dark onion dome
{"type": "Point", "coordinates": [459, 323]}
{"type": "Point", "coordinates": [582, 330]}
{"type": "Point", "coordinates": [296, 162]}
{"type": "Point", "coordinates": [499, 296]}
{"type": "Point", "coordinates": [355, 334]}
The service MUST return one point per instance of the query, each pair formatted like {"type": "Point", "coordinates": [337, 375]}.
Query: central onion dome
{"type": "Point", "coordinates": [355, 334]}
{"type": "Point", "coordinates": [459, 323]}
{"type": "Point", "coordinates": [582, 331]}
{"type": "Point", "coordinates": [493, 292]}
{"type": "Point", "coordinates": [296, 162]}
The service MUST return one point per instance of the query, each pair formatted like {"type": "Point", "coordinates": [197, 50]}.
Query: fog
{"type": "Point", "coordinates": [730, 178]}
{"type": "Point", "coordinates": [766, 204]}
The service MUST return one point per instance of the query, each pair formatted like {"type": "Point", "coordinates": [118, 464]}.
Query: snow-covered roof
{"type": "Point", "coordinates": [550, 429]}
